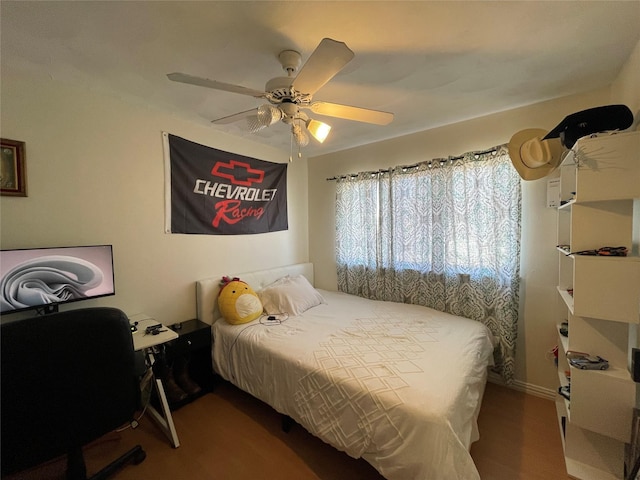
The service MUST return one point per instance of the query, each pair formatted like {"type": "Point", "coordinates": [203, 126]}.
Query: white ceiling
{"type": "Point", "coordinates": [430, 63]}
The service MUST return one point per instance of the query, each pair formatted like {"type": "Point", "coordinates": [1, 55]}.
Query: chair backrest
{"type": "Point", "coordinates": [67, 379]}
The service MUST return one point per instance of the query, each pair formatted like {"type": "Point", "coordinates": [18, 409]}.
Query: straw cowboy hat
{"type": "Point", "coordinates": [533, 157]}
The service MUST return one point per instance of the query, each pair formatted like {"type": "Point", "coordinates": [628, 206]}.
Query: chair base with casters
{"type": "Point", "coordinates": [77, 470]}
{"type": "Point", "coordinates": [68, 379]}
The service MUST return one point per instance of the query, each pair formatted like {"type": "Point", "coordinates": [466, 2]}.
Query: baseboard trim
{"type": "Point", "coordinates": [524, 387]}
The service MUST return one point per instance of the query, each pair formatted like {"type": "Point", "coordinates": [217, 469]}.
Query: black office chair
{"type": "Point", "coordinates": [67, 379]}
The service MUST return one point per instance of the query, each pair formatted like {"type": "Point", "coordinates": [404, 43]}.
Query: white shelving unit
{"type": "Point", "coordinates": [599, 297]}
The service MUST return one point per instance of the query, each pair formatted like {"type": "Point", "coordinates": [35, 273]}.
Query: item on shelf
{"type": "Point", "coordinates": [565, 391]}
{"type": "Point", "coordinates": [564, 248]}
{"type": "Point", "coordinates": [605, 252]}
{"type": "Point", "coordinates": [592, 120]}
{"type": "Point", "coordinates": [570, 199]}
{"type": "Point", "coordinates": [585, 361]}
{"type": "Point", "coordinates": [564, 329]}
{"type": "Point", "coordinates": [613, 251]}
{"type": "Point", "coordinates": [570, 291]}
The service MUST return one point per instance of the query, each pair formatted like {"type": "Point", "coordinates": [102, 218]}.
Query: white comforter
{"type": "Point", "coordinates": [399, 385]}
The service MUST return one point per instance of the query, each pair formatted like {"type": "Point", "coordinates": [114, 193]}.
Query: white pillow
{"type": "Point", "coordinates": [291, 295]}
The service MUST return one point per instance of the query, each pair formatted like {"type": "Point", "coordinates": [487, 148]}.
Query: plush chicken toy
{"type": "Point", "coordinates": [237, 301]}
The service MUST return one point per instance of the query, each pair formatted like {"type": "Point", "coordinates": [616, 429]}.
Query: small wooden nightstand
{"type": "Point", "coordinates": [194, 341]}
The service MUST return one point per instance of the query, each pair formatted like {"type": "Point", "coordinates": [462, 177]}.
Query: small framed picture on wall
{"type": "Point", "coordinates": [13, 173]}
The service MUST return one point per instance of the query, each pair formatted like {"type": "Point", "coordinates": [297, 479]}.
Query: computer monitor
{"type": "Point", "coordinates": [43, 278]}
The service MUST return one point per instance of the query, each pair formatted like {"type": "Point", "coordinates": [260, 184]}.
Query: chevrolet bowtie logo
{"type": "Point", "coordinates": [239, 173]}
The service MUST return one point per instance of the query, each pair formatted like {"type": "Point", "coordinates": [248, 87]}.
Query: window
{"type": "Point", "coordinates": [446, 236]}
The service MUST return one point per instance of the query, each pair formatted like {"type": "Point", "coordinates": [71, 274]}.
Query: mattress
{"type": "Point", "coordinates": [398, 385]}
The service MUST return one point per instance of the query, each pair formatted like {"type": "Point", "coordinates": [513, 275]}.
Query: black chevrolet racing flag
{"type": "Point", "coordinates": [213, 192]}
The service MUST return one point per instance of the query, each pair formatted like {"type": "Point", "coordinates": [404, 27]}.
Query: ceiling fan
{"type": "Point", "coordinates": [288, 96]}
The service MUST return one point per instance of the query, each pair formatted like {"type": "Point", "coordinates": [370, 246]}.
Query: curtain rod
{"type": "Point", "coordinates": [442, 161]}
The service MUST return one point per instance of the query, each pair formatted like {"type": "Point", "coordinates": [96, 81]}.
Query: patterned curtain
{"type": "Point", "coordinates": [443, 234]}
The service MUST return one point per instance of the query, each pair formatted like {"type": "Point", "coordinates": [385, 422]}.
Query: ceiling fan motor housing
{"type": "Point", "coordinates": [280, 90]}
{"type": "Point", "coordinates": [280, 87]}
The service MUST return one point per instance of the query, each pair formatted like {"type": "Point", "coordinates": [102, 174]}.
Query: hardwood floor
{"type": "Point", "coordinates": [229, 435]}
{"type": "Point", "coordinates": [519, 437]}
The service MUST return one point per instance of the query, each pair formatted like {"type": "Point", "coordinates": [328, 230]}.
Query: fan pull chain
{"type": "Point", "coordinates": [291, 148]}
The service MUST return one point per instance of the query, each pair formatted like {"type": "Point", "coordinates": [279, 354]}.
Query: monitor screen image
{"type": "Point", "coordinates": [43, 278]}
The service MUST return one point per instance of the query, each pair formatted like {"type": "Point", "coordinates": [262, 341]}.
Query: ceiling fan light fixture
{"type": "Point", "coordinates": [299, 135]}
{"type": "Point", "coordinates": [319, 130]}
{"type": "Point", "coordinates": [254, 124]}
{"type": "Point", "coordinates": [268, 114]}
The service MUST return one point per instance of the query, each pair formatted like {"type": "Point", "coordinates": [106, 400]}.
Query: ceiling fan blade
{"type": "Point", "coordinates": [235, 117]}
{"type": "Point", "coordinates": [205, 82]}
{"type": "Point", "coordinates": [351, 113]}
{"type": "Point", "coordinates": [325, 62]}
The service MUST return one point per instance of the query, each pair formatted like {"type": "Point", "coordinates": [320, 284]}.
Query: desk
{"type": "Point", "coordinates": [147, 342]}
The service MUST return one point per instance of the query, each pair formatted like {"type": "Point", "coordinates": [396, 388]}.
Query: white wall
{"type": "Point", "coordinates": [536, 331]}
{"type": "Point", "coordinates": [95, 176]}
{"type": "Point", "coordinates": [626, 88]}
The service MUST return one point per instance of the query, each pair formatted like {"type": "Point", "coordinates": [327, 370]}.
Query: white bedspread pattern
{"type": "Point", "coordinates": [396, 384]}
{"type": "Point", "coordinates": [358, 373]}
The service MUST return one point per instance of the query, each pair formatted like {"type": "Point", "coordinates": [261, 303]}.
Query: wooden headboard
{"type": "Point", "coordinates": [207, 289]}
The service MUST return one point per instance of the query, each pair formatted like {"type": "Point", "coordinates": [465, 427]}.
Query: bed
{"type": "Point", "coordinates": [398, 385]}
